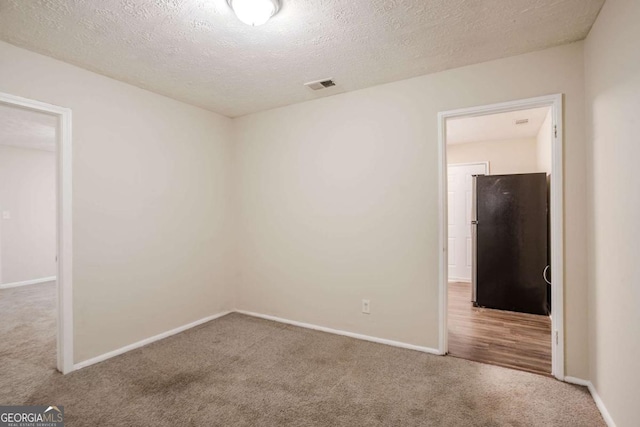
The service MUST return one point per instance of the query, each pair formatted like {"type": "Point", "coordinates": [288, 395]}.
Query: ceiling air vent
{"type": "Point", "coordinates": [320, 84]}
{"type": "Point", "coordinates": [522, 121]}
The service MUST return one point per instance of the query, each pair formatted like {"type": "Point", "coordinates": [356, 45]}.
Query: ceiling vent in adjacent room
{"type": "Point", "coordinates": [522, 121]}
{"type": "Point", "coordinates": [320, 84]}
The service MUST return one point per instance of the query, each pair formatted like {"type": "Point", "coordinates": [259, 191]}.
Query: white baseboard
{"type": "Point", "coordinates": [28, 282]}
{"type": "Point", "coordinates": [457, 279]}
{"type": "Point", "coordinates": [577, 381]}
{"type": "Point", "coordinates": [183, 328]}
{"type": "Point", "coordinates": [600, 404]}
{"type": "Point", "coordinates": [596, 398]}
{"type": "Point", "coordinates": [344, 333]}
{"type": "Point", "coordinates": [146, 341]}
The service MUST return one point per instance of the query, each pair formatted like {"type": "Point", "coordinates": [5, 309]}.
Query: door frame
{"type": "Point", "coordinates": [556, 215]}
{"type": "Point", "coordinates": [487, 172]}
{"type": "Point", "coordinates": [64, 340]}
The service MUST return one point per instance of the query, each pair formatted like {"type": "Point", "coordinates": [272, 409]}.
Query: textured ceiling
{"type": "Point", "coordinates": [496, 127]}
{"type": "Point", "coordinates": [27, 129]}
{"type": "Point", "coordinates": [198, 52]}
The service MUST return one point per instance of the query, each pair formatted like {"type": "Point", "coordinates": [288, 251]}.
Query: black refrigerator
{"type": "Point", "coordinates": [510, 241]}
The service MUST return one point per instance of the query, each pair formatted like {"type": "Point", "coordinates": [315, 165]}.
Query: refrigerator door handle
{"type": "Point", "coordinates": [544, 274]}
{"type": "Point", "coordinates": [474, 241]}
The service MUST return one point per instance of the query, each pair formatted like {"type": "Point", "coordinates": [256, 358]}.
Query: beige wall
{"type": "Point", "coordinates": [612, 63]}
{"type": "Point", "coordinates": [504, 157]}
{"type": "Point", "coordinates": [338, 199]}
{"type": "Point", "coordinates": [28, 193]}
{"type": "Point", "coordinates": [543, 145]}
{"type": "Point", "coordinates": [151, 203]}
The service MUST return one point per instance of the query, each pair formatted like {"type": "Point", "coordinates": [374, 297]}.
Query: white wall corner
{"type": "Point", "coordinates": [596, 397]}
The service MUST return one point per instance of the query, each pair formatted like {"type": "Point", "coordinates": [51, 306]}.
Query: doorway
{"type": "Point", "coordinates": [35, 222]}
{"type": "Point", "coordinates": [495, 306]}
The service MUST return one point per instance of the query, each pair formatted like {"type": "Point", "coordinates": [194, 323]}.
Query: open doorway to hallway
{"type": "Point", "coordinates": [28, 238]}
{"type": "Point", "coordinates": [498, 238]}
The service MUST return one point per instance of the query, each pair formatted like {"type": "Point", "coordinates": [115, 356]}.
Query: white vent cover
{"type": "Point", "coordinates": [320, 84]}
{"type": "Point", "coordinates": [522, 121]}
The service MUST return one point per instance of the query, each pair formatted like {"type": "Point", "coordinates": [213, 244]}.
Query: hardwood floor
{"type": "Point", "coordinates": [514, 340]}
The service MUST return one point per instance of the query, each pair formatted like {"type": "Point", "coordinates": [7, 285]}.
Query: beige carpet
{"type": "Point", "coordinates": [27, 339]}
{"type": "Point", "coordinates": [242, 371]}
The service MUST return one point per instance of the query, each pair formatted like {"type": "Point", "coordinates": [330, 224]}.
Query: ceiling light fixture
{"type": "Point", "coordinates": [254, 12]}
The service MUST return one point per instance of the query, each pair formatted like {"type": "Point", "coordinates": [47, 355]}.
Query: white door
{"type": "Point", "coordinates": [460, 191]}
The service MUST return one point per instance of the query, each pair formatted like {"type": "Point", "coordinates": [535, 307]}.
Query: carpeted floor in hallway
{"type": "Point", "coordinates": [242, 371]}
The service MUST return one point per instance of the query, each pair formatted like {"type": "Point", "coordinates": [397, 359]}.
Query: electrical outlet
{"type": "Point", "coordinates": [366, 306]}
{"type": "Point", "coordinates": [6, 215]}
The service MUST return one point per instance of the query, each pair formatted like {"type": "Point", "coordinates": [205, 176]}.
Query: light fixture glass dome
{"type": "Point", "coordinates": [254, 12]}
